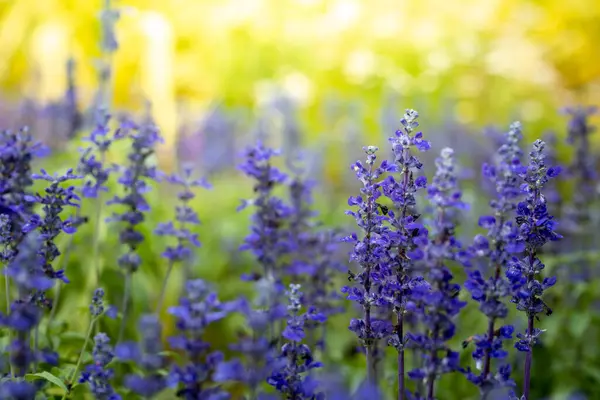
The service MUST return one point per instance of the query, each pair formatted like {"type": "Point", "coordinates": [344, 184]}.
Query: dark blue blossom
{"type": "Point", "coordinates": [582, 169]}
{"type": "Point", "coordinates": [97, 306]}
{"type": "Point", "coordinates": [369, 252]}
{"type": "Point", "coordinates": [134, 178]}
{"type": "Point", "coordinates": [315, 258]}
{"type": "Point", "coordinates": [291, 369]}
{"type": "Point", "coordinates": [17, 390]}
{"type": "Point", "coordinates": [147, 356]}
{"type": "Point", "coordinates": [440, 302]}
{"type": "Point", "coordinates": [257, 348]}
{"type": "Point", "coordinates": [92, 163]}
{"type": "Point", "coordinates": [267, 222]}
{"type": "Point", "coordinates": [17, 151]}
{"type": "Point", "coordinates": [487, 284]}
{"type": "Point", "coordinates": [54, 201]}
{"type": "Point", "coordinates": [184, 215]}
{"type": "Point", "coordinates": [536, 228]}
{"type": "Point", "coordinates": [97, 375]}
{"type": "Point", "coordinates": [196, 311]}
{"type": "Point", "coordinates": [403, 223]}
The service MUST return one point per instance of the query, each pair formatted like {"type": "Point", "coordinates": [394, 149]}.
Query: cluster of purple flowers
{"type": "Point", "coordinates": [406, 263]}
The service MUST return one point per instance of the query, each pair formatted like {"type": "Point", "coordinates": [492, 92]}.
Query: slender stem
{"type": "Point", "coordinates": [81, 353]}
{"type": "Point", "coordinates": [487, 360]}
{"type": "Point", "coordinates": [370, 351]}
{"type": "Point", "coordinates": [163, 290]}
{"type": "Point", "coordinates": [528, 360]}
{"type": "Point", "coordinates": [400, 332]}
{"type": "Point", "coordinates": [36, 336]}
{"type": "Point", "coordinates": [97, 220]}
{"type": "Point", "coordinates": [7, 290]}
{"type": "Point", "coordinates": [124, 306]}
{"type": "Point", "coordinates": [65, 264]}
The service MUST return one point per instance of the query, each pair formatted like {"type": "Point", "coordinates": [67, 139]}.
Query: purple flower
{"type": "Point", "coordinates": [97, 375]}
{"type": "Point", "coordinates": [54, 201]}
{"type": "Point", "coordinates": [134, 178]}
{"type": "Point", "coordinates": [494, 252]}
{"type": "Point", "coordinates": [147, 356]}
{"type": "Point", "coordinates": [369, 252]}
{"type": "Point", "coordinates": [290, 373]}
{"type": "Point", "coordinates": [438, 301]}
{"type": "Point", "coordinates": [536, 228]}
{"type": "Point", "coordinates": [184, 215]}
{"type": "Point", "coordinates": [267, 222]}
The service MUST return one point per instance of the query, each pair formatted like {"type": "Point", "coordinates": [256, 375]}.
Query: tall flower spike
{"type": "Point", "coordinates": [315, 258]}
{"type": "Point", "coordinates": [439, 302]}
{"type": "Point", "coordinates": [147, 356]}
{"type": "Point", "coordinates": [536, 228]}
{"type": "Point", "coordinates": [369, 252]}
{"type": "Point", "coordinates": [582, 168]}
{"type": "Point", "coordinates": [256, 347]}
{"type": "Point", "coordinates": [487, 283]}
{"type": "Point", "coordinates": [134, 178]}
{"type": "Point", "coordinates": [184, 216]}
{"type": "Point", "coordinates": [196, 311]}
{"type": "Point", "coordinates": [404, 226]}
{"type": "Point", "coordinates": [267, 239]}
{"type": "Point", "coordinates": [28, 276]}
{"type": "Point", "coordinates": [291, 370]}
{"type": "Point", "coordinates": [93, 158]}
{"type": "Point", "coordinates": [54, 201]}
{"type": "Point", "coordinates": [97, 375]}
{"type": "Point", "coordinates": [17, 151]}
{"type": "Point", "coordinates": [264, 240]}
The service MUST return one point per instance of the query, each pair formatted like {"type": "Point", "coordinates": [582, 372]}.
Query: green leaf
{"type": "Point", "coordinates": [49, 377]}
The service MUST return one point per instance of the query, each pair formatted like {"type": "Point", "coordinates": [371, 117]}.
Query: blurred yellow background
{"type": "Point", "coordinates": [488, 60]}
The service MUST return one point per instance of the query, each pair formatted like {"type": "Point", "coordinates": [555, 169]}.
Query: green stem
{"type": "Point", "coordinates": [124, 306]}
{"type": "Point", "coordinates": [163, 290]}
{"type": "Point", "coordinates": [80, 359]}
{"type": "Point", "coordinates": [96, 237]}
{"type": "Point", "coordinates": [65, 264]}
{"type": "Point", "coordinates": [7, 289]}
{"type": "Point", "coordinates": [36, 335]}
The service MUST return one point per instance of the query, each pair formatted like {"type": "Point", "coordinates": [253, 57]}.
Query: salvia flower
{"type": "Point", "coordinates": [196, 311]}
{"type": "Point", "coordinates": [184, 215]}
{"type": "Point", "coordinates": [267, 222]}
{"type": "Point", "coordinates": [582, 168]}
{"type": "Point", "coordinates": [369, 252]}
{"type": "Point", "coordinates": [257, 347]}
{"type": "Point", "coordinates": [487, 284]}
{"type": "Point", "coordinates": [134, 178]}
{"type": "Point", "coordinates": [536, 228]}
{"type": "Point", "coordinates": [17, 151]}
{"type": "Point", "coordinates": [291, 373]}
{"type": "Point", "coordinates": [54, 201]}
{"type": "Point", "coordinates": [440, 303]}
{"type": "Point", "coordinates": [403, 227]}
{"type": "Point", "coordinates": [315, 258]}
{"type": "Point", "coordinates": [92, 164]}
{"type": "Point", "coordinates": [98, 375]}
{"type": "Point", "coordinates": [147, 356]}
{"type": "Point", "coordinates": [17, 390]}
{"type": "Point", "coordinates": [27, 274]}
